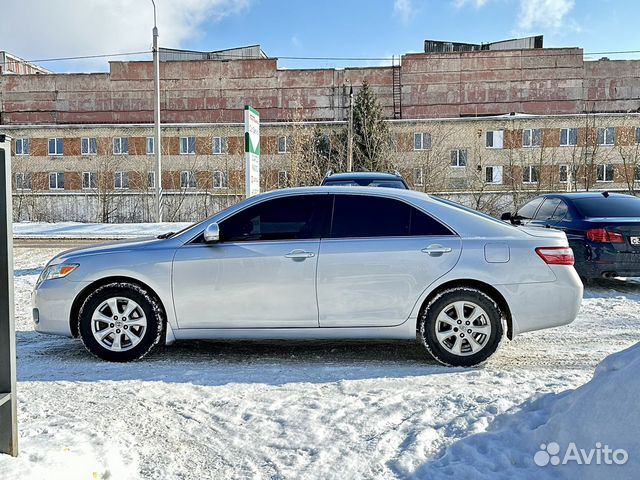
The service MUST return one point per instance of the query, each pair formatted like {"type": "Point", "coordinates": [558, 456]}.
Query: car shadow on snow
{"type": "Point", "coordinates": [595, 288]}
{"type": "Point", "coordinates": [50, 358]}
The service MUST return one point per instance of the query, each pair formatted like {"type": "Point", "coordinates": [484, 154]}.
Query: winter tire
{"type": "Point", "coordinates": [120, 322]}
{"type": "Point", "coordinates": [461, 327]}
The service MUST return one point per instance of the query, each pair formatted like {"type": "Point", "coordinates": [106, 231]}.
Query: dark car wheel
{"type": "Point", "coordinates": [461, 327]}
{"type": "Point", "coordinates": [120, 322]}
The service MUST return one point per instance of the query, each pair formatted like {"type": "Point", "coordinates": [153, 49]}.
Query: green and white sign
{"type": "Point", "coordinates": [252, 151]}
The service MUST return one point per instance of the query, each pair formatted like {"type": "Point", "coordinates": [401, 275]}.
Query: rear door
{"type": "Point", "coordinates": [380, 256]}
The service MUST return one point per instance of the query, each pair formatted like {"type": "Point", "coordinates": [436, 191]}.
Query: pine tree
{"type": "Point", "coordinates": [371, 138]}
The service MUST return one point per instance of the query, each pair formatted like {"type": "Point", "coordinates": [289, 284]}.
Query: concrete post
{"type": "Point", "coordinates": [8, 401]}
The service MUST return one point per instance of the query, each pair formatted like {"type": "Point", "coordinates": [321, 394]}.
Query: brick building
{"type": "Point", "coordinates": [520, 120]}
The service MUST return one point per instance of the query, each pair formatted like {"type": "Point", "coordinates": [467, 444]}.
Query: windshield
{"type": "Point", "coordinates": [626, 206]}
{"type": "Point", "coordinates": [366, 183]}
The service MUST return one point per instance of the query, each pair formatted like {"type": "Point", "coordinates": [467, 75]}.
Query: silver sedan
{"type": "Point", "coordinates": [317, 263]}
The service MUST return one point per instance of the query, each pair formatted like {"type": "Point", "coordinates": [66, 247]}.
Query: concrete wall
{"type": "Point", "coordinates": [540, 81]}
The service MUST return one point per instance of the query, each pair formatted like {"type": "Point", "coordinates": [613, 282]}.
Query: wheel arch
{"type": "Point", "coordinates": [485, 288]}
{"type": "Point", "coordinates": [89, 289]}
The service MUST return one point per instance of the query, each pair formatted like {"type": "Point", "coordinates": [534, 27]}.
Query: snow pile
{"type": "Point", "coordinates": [591, 432]}
{"type": "Point", "coordinates": [76, 230]}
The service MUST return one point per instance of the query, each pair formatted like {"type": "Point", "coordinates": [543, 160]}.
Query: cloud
{"type": "Point", "coordinates": [34, 29]}
{"type": "Point", "coordinates": [475, 3]}
{"type": "Point", "coordinates": [403, 9]}
{"type": "Point", "coordinates": [544, 14]}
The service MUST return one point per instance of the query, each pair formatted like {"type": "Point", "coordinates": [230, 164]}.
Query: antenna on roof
{"type": "Point", "coordinates": [605, 194]}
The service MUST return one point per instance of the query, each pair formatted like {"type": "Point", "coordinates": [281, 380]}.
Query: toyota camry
{"type": "Point", "coordinates": [317, 263]}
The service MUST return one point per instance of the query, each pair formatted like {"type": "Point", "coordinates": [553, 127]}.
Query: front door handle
{"type": "Point", "coordinates": [436, 250]}
{"type": "Point", "coordinates": [299, 254]}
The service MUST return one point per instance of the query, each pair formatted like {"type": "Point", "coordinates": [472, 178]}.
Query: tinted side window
{"type": "Point", "coordinates": [423, 224]}
{"type": "Point", "coordinates": [288, 218]}
{"type": "Point", "coordinates": [363, 216]}
{"type": "Point", "coordinates": [548, 207]}
{"type": "Point", "coordinates": [529, 209]}
{"type": "Point", "coordinates": [562, 212]}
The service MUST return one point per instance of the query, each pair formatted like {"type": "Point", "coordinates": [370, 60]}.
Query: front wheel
{"type": "Point", "coordinates": [120, 322]}
{"type": "Point", "coordinates": [461, 327]}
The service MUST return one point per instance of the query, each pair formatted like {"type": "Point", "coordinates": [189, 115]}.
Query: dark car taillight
{"type": "Point", "coordinates": [602, 235]}
{"type": "Point", "coordinates": [556, 255]}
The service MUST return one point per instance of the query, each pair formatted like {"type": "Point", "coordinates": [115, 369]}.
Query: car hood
{"type": "Point", "coordinates": [104, 248]}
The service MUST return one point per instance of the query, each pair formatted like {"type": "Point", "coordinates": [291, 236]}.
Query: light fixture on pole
{"type": "Point", "coordinates": [157, 146]}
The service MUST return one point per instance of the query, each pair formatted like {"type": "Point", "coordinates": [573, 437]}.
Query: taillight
{"type": "Point", "coordinates": [602, 235]}
{"type": "Point", "coordinates": [556, 255]}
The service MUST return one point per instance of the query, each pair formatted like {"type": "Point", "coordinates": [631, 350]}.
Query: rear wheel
{"type": "Point", "coordinates": [120, 322]}
{"type": "Point", "coordinates": [461, 327]}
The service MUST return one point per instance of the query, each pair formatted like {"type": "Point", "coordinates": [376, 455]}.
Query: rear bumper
{"type": "Point", "coordinates": [619, 265]}
{"type": "Point", "coordinates": [536, 306]}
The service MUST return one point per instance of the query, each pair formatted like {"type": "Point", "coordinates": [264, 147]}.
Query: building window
{"type": "Point", "coordinates": [89, 180]}
{"type": "Point", "coordinates": [22, 146]}
{"type": "Point", "coordinates": [459, 157]}
{"type": "Point", "coordinates": [151, 144]}
{"type": "Point", "coordinates": [187, 145]}
{"type": "Point", "coordinates": [568, 137]}
{"type": "Point", "coordinates": [494, 138]}
{"type": "Point", "coordinates": [637, 134]}
{"type": "Point", "coordinates": [151, 180]}
{"type": "Point", "coordinates": [637, 176]}
{"type": "Point", "coordinates": [284, 144]}
{"type": "Point", "coordinates": [606, 136]}
{"type": "Point", "coordinates": [220, 180]}
{"type": "Point", "coordinates": [121, 181]}
{"type": "Point", "coordinates": [418, 177]}
{"type": "Point", "coordinates": [565, 171]}
{"type": "Point", "coordinates": [604, 173]}
{"type": "Point", "coordinates": [219, 145]}
{"type": "Point", "coordinates": [422, 141]}
{"type": "Point", "coordinates": [531, 137]}
{"type": "Point", "coordinates": [56, 146]}
{"type": "Point", "coordinates": [88, 146]}
{"type": "Point", "coordinates": [493, 174]}
{"type": "Point", "coordinates": [283, 179]}
{"type": "Point", "coordinates": [56, 181]}
{"type": "Point", "coordinates": [120, 146]}
{"type": "Point", "coordinates": [530, 174]}
{"type": "Point", "coordinates": [187, 180]}
{"type": "Point", "coordinates": [23, 181]}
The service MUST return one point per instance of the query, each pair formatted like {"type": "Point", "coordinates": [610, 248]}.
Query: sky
{"type": "Point", "coordinates": [369, 29]}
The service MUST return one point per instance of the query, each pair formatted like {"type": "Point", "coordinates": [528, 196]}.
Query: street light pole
{"type": "Point", "coordinates": [157, 146]}
{"type": "Point", "coordinates": [350, 132]}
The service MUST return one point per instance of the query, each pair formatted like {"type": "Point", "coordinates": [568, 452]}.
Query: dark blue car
{"type": "Point", "coordinates": [603, 229]}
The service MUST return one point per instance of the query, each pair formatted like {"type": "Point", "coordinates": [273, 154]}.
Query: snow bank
{"type": "Point", "coordinates": [75, 230]}
{"type": "Point", "coordinates": [591, 432]}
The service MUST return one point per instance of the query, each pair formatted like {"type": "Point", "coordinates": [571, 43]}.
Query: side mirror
{"type": "Point", "coordinates": [506, 216]}
{"type": "Point", "coordinates": [212, 233]}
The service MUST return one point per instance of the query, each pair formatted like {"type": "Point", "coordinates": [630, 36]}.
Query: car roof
{"type": "Point", "coordinates": [576, 195]}
{"type": "Point", "coordinates": [364, 175]}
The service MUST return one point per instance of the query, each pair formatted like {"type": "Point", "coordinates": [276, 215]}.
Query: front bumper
{"type": "Point", "coordinates": [51, 302]}
{"type": "Point", "coordinates": [536, 306]}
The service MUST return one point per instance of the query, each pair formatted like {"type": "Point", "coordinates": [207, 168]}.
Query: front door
{"type": "Point", "coordinates": [262, 273]}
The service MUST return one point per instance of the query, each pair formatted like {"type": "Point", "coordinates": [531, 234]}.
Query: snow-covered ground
{"type": "Point", "coordinates": [326, 410]}
{"type": "Point", "coordinates": [76, 230]}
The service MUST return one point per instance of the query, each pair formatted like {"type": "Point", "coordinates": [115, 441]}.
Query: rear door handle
{"type": "Point", "coordinates": [436, 250]}
{"type": "Point", "coordinates": [299, 254]}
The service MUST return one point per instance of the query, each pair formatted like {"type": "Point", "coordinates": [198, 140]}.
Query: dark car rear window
{"type": "Point", "coordinates": [608, 207]}
{"type": "Point", "coordinates": [366, 183]}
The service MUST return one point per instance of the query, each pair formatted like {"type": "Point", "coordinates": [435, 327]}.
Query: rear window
{"type": "Point", "coordinates": [365, 183]}
{"type": "Point", "coordinates": [608, 207]}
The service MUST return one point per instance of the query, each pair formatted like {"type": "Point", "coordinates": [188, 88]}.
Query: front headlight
{"type": "Point", "coordinates": [56, 271]}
